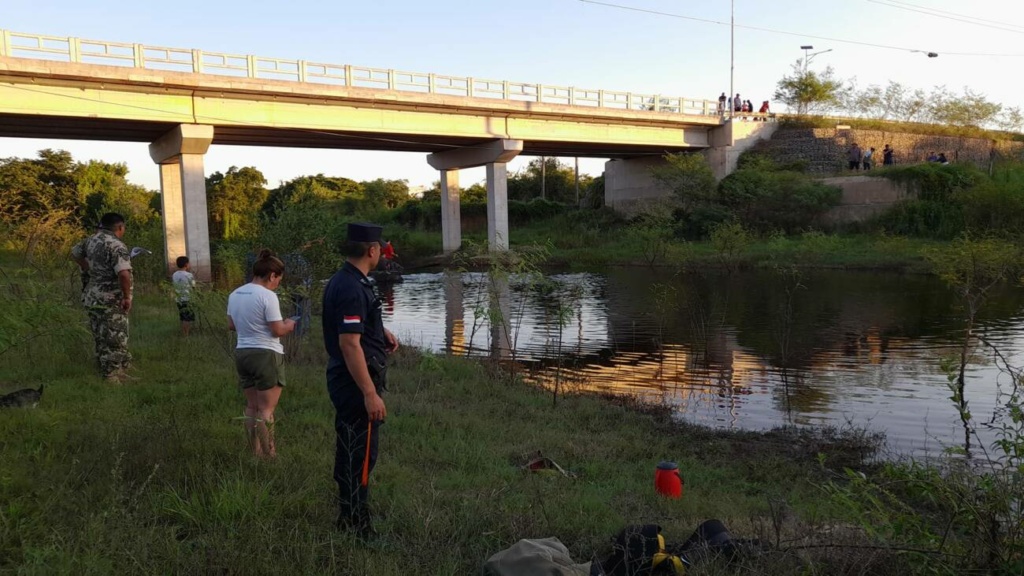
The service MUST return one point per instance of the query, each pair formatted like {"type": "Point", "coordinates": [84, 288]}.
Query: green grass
{"type": "Point", "coordinates": [154, 476]}
{"type": "Point", "coordinates": [579, 247]}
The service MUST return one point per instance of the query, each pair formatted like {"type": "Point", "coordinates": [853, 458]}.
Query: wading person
{"type": "Point", "coordinates": [107, 294]}
{"type": "Point", "coordinates": [255, 313]}
{"type": "Point", "coordinates": [358, 345]}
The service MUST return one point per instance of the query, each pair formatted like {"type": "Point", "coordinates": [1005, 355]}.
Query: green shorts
{"type": "Point", "coordinates": [259, 367]}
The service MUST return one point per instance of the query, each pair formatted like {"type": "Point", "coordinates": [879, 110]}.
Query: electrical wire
{"type": "Point", "coordinates": [946, 12]}
{"type": "Point", "coordinates": [937, 15]}
{"type": "Point", "coordinates": [787, 33]}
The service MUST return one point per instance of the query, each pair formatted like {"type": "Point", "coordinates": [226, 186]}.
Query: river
{"type": "Point", "coordinates": [747, 350]}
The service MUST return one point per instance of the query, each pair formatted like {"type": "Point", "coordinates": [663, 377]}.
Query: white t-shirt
{"type": "Point", "coordinates": [251, 307]}
{"type": "Point", "coordinates": [183, 281]}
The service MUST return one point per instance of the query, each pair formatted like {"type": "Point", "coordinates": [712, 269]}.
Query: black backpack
{"type": "Point", "coordinates": [639, 550]}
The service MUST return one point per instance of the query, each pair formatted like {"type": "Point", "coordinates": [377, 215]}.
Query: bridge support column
{"type": "Point", "coordinates": [183, 196]}
{"type": "Point", "coordinates": [497, 206]}
{"type": "Point", "coordinates": [732, 139]}
{"type": "Point", "coordinates": [494, 155]}
{"type": "Point", "coordinates": [451, 215]}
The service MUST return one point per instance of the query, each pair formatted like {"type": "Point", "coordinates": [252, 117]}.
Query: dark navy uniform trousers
{"type": "Point", "coordinates": [350, 424]}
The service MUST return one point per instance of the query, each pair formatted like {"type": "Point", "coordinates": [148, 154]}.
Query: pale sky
{"type": "Point", "coordinates": [563, 42]}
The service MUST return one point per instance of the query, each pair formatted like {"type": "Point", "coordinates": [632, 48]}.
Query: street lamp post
{"type": "Point", "coordinates": [732, 52]}
{"type": "Point", "coordinates": [808, 57]}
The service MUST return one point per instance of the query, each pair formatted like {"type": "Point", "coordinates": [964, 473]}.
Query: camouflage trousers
{"type": "Point", "coordinates": [109, 327]}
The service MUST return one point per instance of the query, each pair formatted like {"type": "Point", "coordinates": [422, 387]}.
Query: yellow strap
{"type": "Point", "coordinates": [663, 555]}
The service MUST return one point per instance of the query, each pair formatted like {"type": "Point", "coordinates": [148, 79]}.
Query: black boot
{"type": "Point", "coordinates": [358, 523]}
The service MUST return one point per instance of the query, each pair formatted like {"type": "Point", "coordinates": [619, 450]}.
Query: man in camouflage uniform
{"type": "Point", "coordinates": [107, 294]}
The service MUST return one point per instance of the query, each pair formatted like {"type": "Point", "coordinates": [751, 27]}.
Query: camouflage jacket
{"type": "Point", "coordinates": [107, 256]}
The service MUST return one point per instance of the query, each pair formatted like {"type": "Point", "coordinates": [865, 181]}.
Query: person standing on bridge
{"type": "Point", "coordinates": [887, 153]}
{"type": "Point", "coordinates": [358, 346]}
{"type": "Point", "coordinates": [107, 295]}
{"type": "Point", "coordinates": [721, 104]}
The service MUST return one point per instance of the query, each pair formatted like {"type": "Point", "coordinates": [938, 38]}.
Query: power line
{"type": "Point", "coordinates": [958, 15]}
{"type": "Point", "coordinates": [787, 33]}
{"type": "Point", "coordinates": [929, 12]}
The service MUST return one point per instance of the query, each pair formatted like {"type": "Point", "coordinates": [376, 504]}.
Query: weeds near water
{"type": "Point", "coordinates": [518, 268]}
{"type": "Point", "coordinates": [561, 303]}
{"type": "Point", "coordinates": [961, 514]}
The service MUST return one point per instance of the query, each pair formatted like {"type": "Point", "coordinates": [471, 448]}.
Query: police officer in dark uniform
{"type": "Point", "coordinates": [358, 345]}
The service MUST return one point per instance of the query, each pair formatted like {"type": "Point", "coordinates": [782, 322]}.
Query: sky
{"type": "Point", "coordinates": [684, 51]}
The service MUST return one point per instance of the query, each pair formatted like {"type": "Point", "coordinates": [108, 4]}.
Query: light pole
{"type": "Point", "coordinates": [732, 52]}
{"type": "Point", "coordinates": [807, 58]}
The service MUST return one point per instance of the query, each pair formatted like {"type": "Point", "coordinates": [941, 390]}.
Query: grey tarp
{"type": "Point", "coordinates": [542, 557]}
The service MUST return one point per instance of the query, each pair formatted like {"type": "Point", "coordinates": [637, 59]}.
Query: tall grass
{"type": "Point", "coordinates": [154, 476]}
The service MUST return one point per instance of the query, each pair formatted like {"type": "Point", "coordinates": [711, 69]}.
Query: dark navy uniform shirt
{"type": "Point", "coordinates": [351, 306]}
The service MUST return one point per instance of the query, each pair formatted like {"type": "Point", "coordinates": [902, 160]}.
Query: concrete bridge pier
{"type": "Point", "coordinates": [179, 153]}
{"type": "Point", "coordinates": [451, 215]}
{"type": "Point", "coordinates": [630, 186]}
{"type": "Point", "coordinates": [454, 314]}
{"type": "Point", "coordinates": [494, 155]}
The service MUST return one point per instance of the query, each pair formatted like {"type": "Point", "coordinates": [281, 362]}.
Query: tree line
{"type": "Point", "coordinates": [811, 92]}
{"type": "Point", "coordinates": [51, 201]}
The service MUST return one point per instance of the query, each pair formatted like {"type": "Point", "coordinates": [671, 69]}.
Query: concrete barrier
{"type": "Point", "coordinates": [864, 197]}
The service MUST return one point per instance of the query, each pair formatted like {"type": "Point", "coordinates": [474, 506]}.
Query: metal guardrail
{"type": "Point", "coordinates": [77, 50]}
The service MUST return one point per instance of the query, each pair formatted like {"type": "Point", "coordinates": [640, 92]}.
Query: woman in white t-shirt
{"type": "Point", "coordinates": [255, 313]}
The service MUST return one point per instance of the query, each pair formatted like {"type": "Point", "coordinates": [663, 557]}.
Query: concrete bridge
{"type": "Point", "coordinates": [183, 100]}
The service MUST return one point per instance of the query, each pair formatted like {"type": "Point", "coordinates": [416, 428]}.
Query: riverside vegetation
{"type": "Point", "coordinates": [154, 476]}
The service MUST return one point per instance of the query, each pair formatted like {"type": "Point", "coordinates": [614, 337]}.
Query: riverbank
{"type": "Point", "coordinates": [572, 243]}
{"type": "Point", "coordinates": [153, 476]}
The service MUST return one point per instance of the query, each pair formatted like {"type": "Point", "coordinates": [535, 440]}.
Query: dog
{"type": "Point", "coordinates": [25, 398]}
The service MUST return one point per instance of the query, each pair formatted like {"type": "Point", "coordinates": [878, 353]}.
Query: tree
{"type": "Point", "coordinates": [1011, 119]}
{"type": "Point", "coordinates": [475, 194]}
{"type": "Point", "coordinates": [894, 102]}
{"type": "Point", "coordinates": [970, 110]}
{"type": "Point", "coordinates": [235, 199]}
{"type": "Point", "coordinates": [549, 178]}
{"type": "Point", "coordinates": [55, 183]}
{"type": "Point", "coordinates": [35, 186]}
{"type": "Point", "coordinates": [104, 187]}
{"type": "Point", "coordinates": [809, 91]}
{"type": "Point", "coordinates": [689, 177]}
{"type": "Point", "coordinates": [344, 194]}
{"type": "Point", "coordinates": [381, 193]}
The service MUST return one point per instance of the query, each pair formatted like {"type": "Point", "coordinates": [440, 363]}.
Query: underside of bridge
{"type": "Point", "coordinates": [78, 128]}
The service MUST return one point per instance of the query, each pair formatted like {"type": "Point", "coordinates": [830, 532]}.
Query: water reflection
{"type": "Point", "coordinates": [750, 350]}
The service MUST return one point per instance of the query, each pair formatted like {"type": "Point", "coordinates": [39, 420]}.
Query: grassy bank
{"type": "Point", "coordinates": [813, 250]}
{"type": "Point", "coordinates": [575, 244]}
{"type": "Point", "coordinates": [153, 476]}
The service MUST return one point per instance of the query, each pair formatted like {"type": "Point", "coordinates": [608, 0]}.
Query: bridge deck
{"type": "Point", "coordinates": [119, 103]}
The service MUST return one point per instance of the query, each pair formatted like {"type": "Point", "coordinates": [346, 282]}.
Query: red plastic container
{"type": "Point", "coordinates": [667, 480]}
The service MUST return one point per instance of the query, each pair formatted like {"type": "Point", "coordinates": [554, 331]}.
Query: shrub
{"type": "Point", "coordinates": [689, 177]}
{"type": "Point", "coordinates": [729, 239]}
{"type": "Point", "coordinates": [953, 199]}
{"type": "Point", "coordinates": [766, 201]}
{"type": "Point", "coordinates": [932, 181]}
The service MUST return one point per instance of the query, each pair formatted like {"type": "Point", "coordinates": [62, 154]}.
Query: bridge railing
{"type": "Point", "coordinates": [77, 50]}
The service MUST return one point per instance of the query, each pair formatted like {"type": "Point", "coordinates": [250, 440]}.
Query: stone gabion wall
{"type": "Point", "coordinates": [824, 149]}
